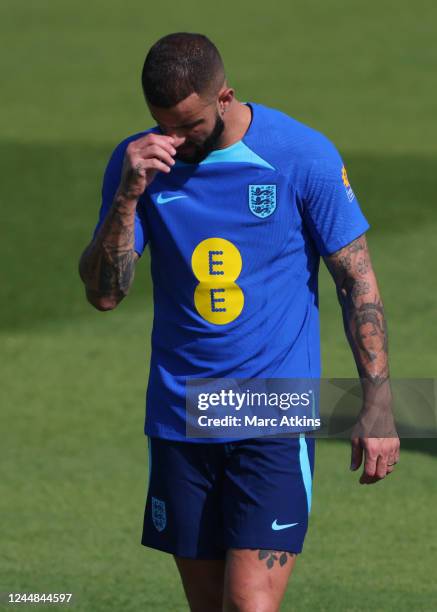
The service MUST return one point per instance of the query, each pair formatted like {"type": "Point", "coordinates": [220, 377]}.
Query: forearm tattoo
{"type": "Point", "coordinates": [108, 265]}
{"type": "Point", "coordinates": [363, 313]}
{"type": "Point", "coordinates": [274, 557]}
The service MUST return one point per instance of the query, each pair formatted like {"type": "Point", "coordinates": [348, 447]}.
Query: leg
{"type": "Point", "coordinates": [203, 582]}
{"type": "Point", "coordinates": [255, 580]}
{"type": "Point", "coordinates": [266, 500]}
{"type": "Point", "coordinates": [183, 516]}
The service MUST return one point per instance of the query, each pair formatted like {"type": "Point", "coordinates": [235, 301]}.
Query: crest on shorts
{"type": "Point", "coordinates": [262, 200]}
{"type": "Point", "coordinates": [159, 516]}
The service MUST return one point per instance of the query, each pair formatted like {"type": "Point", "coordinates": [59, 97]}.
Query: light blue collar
{"type": "Point", "coordinates": [237, 153]}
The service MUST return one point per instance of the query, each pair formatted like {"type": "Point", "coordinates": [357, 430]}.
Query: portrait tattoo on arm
{"type": "Point", "coordinates": [362, 308]}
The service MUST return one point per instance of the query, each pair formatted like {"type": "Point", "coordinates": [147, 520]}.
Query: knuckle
{"type": "Point", "coordinates": [131, 148]}
{"type": "Point", "coordinates": [154, 138]}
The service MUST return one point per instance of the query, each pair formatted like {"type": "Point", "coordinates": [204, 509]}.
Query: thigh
{"type": "Point", "coordinates": [183, 512]}
{"type": "Point", "coordinates": [256, 579]}
{"type": "Point", "coordinates": [267, 493]}
{"type": "Point", "coordinates": [203, 582]}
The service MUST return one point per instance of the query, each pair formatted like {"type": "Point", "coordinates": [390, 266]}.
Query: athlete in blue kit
{"type": "Point", "coordinates": [237, 202]}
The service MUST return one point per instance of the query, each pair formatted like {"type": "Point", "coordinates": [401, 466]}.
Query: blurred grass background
{"type": "Point", "coordinates": [74, 460]}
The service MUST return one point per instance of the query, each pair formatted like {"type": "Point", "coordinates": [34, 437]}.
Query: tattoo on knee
{"type": "Point", "coordinates": [270, 556]}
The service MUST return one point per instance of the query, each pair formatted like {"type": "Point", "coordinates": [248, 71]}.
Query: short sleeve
{"type": "Point", "coordinates": [111, 181]}
{"type": "Point", "coordinates": [330, 208]}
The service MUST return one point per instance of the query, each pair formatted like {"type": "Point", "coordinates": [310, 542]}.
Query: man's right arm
{"type": "Point", "coordinates": [107, 265]}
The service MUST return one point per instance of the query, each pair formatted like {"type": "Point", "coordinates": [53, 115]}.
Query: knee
{"type": "Point", "coordinates": [205, 600]}
{"type": "Point", "coordinates": [259, 602]}
{"type": "Point", "coordinates": [205, 595]}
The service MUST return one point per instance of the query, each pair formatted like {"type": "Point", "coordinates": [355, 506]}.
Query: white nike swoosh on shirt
{"type": "Point", "coordinates": [162, 200]}
{"type": "Point", "coordinates": [277, 527]}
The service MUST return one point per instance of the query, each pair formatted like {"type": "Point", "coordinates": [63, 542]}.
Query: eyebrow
{"type": "Point", "coordinates": [192, 124]}
{"type": "Point", "coordinates": [185, 125]}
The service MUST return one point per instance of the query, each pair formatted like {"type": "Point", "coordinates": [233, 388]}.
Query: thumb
{"type": "Point", "coordinates": [356, 454]}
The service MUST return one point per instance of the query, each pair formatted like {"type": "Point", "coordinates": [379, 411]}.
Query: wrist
{"type": "Point", "coordinates": [125, 198]}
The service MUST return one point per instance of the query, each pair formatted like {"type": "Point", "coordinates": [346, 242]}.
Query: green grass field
{"type": "Point", "coordinates": [74, 460]}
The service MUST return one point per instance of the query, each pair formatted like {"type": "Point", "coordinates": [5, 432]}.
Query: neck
{"type": "Point", "coordinates": [237, 120]}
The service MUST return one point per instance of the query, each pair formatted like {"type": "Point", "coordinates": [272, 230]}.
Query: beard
{"type": "Point", "coordinates": [198, 152]}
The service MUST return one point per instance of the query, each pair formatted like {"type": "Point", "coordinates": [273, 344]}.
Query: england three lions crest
{"type": "Point", "coordinates": [262, 200]}
{"type": "Point", "coordinates": [159, 516]}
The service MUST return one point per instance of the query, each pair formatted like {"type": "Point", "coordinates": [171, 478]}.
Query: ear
{"type": "Point", "coordinates": [225, 97]}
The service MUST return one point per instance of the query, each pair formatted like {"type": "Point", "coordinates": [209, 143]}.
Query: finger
{"type": "Point", "coordinates": [370, 458]}
{"type": "Point", "coordinates": [164, 138]}
{"type": "Point", "coordinates": [370, 464]}
{"type": "Point", "coordinates": [356, 454]}
{"type": "Point", "coordinates": [381, 466]}
{"type": "Point", "coordinates": [178, 140]}
{"type": "Point", "coordinates": [393, 454]}
{"type": "Point", "coordinates": [166, 142]}
{"type": "Point", "coordinates": [398, 450]}
{"type": "Point", "coordinates": [161, 145]}
{"type": "Point", "coordinates": [391, 462]}
{"type": "Point", "coordinates": [365, 479]}
{"type": "Point", "coordinates": [156, 164]}
{"type": "Point", "coordinates": [158, 152]}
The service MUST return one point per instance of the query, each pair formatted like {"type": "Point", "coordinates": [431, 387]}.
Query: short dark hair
{"type": "Point", "coordinates": [178, 65]}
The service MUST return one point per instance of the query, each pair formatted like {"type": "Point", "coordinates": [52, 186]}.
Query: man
{"type": "Point", "coordinates": [237, 202]}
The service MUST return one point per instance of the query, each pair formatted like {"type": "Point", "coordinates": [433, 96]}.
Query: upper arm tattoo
{"type": "Point", "coordinates": [351, 260]}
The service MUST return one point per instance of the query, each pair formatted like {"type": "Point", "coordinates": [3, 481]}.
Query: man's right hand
{"type": "Point", "coordinates": [143, 158]}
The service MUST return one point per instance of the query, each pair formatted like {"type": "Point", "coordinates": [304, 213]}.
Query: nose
{"type": "Point", "coordinates": [174, 132]}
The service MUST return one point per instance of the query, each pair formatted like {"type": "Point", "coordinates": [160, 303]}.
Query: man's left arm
{"type": "Point", "coordinates": [366, 331]}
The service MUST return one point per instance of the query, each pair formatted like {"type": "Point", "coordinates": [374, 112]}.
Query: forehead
{"type": "Point", "coordinates": [188, 110]}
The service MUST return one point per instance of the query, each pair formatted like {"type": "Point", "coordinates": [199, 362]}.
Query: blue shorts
{"type": "Point", "coordinates": [205, 498]}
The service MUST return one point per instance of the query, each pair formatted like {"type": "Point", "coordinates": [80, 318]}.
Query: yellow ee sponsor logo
{"type": "Point", "coordinates": [216, 264]}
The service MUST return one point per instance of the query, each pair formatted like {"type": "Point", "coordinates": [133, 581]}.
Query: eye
{"type": "Point", "coordinates": [192, 126]}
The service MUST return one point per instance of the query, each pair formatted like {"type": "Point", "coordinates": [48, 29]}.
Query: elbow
{"type": "Point", "coordinates": [103, 302]}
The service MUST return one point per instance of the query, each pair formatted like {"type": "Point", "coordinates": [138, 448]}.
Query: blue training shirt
{"type": "Point", "coordinates": [235, 244]}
